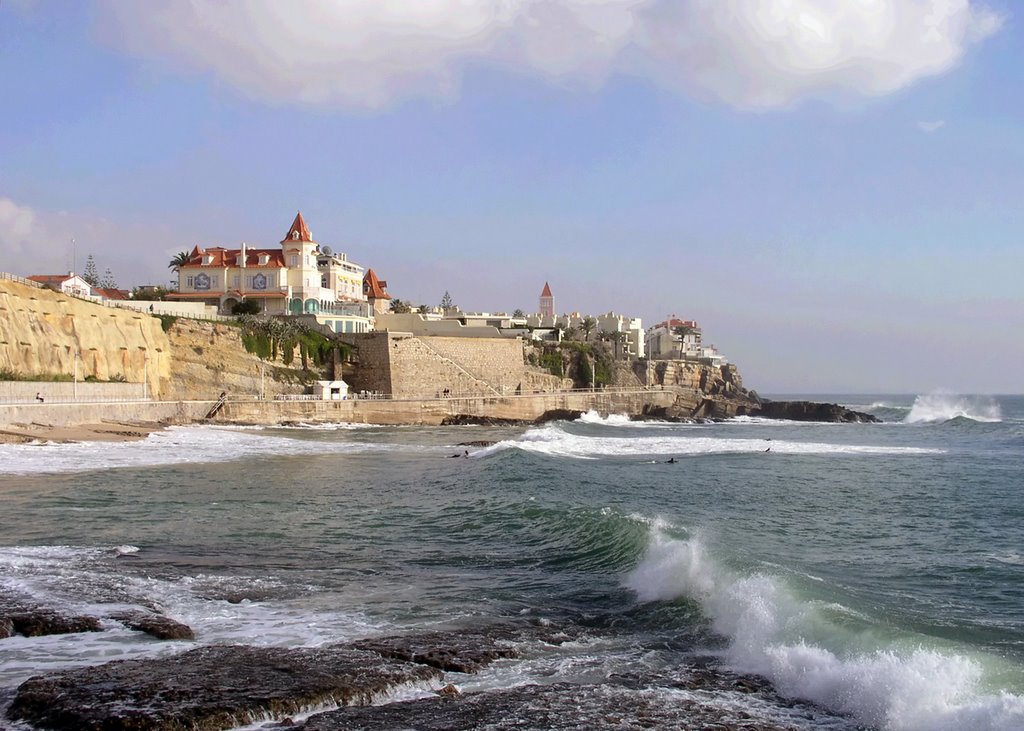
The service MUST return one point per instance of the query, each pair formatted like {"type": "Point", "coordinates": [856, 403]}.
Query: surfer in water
{"type": "Point", "coordinates": [671, 460]}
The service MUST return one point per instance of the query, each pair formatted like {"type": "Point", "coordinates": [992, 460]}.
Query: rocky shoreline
{"type": "Point", "coordinates": [348, 686]}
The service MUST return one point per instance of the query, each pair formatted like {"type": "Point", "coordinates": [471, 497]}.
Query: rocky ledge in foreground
{"type": "Point", "coordinates": [703, 698]}
{"type": "Point", "coordinates": [222, 687]}
{"type": "Point", "coordinates": [210, 688]}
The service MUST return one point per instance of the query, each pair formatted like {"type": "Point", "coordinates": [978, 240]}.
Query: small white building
{"type": "Point", "coordinates": [332, 390]}
{"type": "Point", "coordinates": [69, 283]}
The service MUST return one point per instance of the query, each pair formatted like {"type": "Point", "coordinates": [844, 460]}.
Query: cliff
{"type": "Point", "coordinates": [48, 334]}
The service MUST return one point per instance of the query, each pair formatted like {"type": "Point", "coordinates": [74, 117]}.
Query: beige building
{"type": "Point", "coordinates": [299, 278]}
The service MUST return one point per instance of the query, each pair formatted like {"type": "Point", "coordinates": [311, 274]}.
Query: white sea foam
{"type": "Point", "coordinates": [593, 417]}
{"type": "Point", "coordinates": [553, 440]}
{"type": "Point", "coordinates": [904, 687]}
{"type": "Point", "coordinates": [940, 406]}
{"type": "Point", "coordinates": [176, 445]}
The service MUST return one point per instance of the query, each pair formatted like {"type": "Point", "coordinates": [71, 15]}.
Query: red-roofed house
{"type": "Point", "coordinates": [299, 278]}
{"type": "Point", "coordinates": [69, 283]}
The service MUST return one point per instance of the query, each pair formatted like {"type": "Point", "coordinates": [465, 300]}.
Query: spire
{"type": "Point", "coordinates": [546, 291]}
{"type": "Point", "coordinates": [299, 231]}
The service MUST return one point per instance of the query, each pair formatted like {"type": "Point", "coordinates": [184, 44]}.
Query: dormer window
{"type": "Point", "coordinates": [295, 235]}
{"type": "Point", "coordinates": [240, 261]}
{"type": "Point", "coordinates": [208, 259]}
{"type": "Point", "coordinates": [264, 259]}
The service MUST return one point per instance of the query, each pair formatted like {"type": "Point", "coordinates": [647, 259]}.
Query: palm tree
{"type": "Point", "coordinates": [178, 260]}
{"type": "Point", "coordinates": [587, 326]}
{"type": "Point", "coordinates": [681, 331]}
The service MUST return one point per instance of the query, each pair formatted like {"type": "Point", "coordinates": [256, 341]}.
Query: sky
{"type": "Point", "coordinates": [833, 189]}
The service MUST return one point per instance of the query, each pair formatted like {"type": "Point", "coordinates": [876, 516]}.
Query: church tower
{"type": "Point", "coordinates": [547, 302]}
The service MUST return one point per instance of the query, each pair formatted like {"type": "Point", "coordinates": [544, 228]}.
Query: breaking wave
{"type": "Point", "coordinates": [940, 407]}
{"type": "Point", "coordinates": [914, 685]}
{"type": "Point", "coordinates": [556, 441]}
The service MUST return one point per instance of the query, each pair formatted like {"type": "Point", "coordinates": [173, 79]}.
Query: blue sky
{"type": "Point", "coordinates": [835, 195]}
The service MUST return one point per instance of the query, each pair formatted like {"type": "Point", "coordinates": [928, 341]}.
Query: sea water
{"type": "Point", "coordinates": [873, 571]}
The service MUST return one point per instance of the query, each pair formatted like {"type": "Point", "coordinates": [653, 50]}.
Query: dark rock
{"type": "Point", "coordinates": [477, 443]}
{"type": "Point", "coordinates": [463, 651]}
{"type": "Point", "coordinates": [6, 627]}
{"type": "Point", "coordinates": [558, 415]}
{"type": "Point", "coordinates": [40, 622]}
{"type": "Point", "coordinates": [157, 625]}
{"type": "Point", "coordinates": [811, 411]}
{"type": "Point", "coordinates": [474, 420]}
{"type": "Point", "coordinates": [209, 688]}
{"type": "Point", "coordinates": [558, 707]}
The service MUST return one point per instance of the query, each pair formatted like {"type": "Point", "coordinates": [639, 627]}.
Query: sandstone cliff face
{"type": "Point", "coordinates": [44, 333]}
{"type": "Point", "coordinates": [702, 391]}
{"type": "Point", "coordinates": [209, 357]}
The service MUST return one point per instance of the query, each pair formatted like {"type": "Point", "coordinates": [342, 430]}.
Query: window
{"type": "Point", "coordinates": [237, 280]}
{"type": "Point", "coordinates": [189, 281]}
{"type": "Point", "coordinates": [294, 259]}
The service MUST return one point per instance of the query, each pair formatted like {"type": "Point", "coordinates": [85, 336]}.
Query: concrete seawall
{"type": "Point", "coordinates": [368, 411]}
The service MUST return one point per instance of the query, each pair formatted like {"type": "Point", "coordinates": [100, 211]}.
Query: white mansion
{"type": "Point", "coordinates": [299, 278]}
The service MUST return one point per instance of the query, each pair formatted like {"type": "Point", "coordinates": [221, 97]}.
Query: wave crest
{"type": "Point", "coordinates": [904, 687]}
{"type": "Point", "coordinates": [940, 407]}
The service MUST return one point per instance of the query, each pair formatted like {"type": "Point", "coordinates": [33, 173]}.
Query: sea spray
{"type": "Point", "coordinates": [904, 686]}
{"type": "Point", "coordinates": [941, 406]}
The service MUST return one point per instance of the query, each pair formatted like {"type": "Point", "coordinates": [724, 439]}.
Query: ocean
{"type": "Point", "coordinates": [873, 574]}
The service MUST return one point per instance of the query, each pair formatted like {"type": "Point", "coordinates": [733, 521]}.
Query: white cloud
{"type": "Point", "coordinates": [753, 54]}
{"type": "Point", "coordinates": [930, 127]}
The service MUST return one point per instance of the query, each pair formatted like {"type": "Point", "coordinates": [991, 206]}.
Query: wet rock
{"type": "Point", "coordinates": [156, 625]}
{"type": "Point", "coordinates": [475, 420]}
{"type": "Point", "coordinates": [23, 616]}
{"type": "Point", "coordinates": [47, 622]}
{"type": "Point", "coordinates": [477, 443]}
{"type": "Point", "coordinates": [811, 411]}
{"type": "Point", "coordinates": [466, 650]}
{"type": "Point", "coordinates": [209, 688]}
{"type": "Point", "coordinates": [558, 707]}
{"type": "Point", "coordinates": [558, 415]}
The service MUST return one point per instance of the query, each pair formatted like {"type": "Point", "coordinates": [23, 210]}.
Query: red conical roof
{"type": "Point", "coordinates": [547, 291]}
{"type": "Point", "coordinates": [375, 288]}
{"type": "Point", "coordinates": [298, 226]}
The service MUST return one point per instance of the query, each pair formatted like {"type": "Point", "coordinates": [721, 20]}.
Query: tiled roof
{"type": "Point", "coordinates": [51, 278]}
{"type": "Point", "coordinates": [375, 288]}
{"type": "Point", "coordinates": [111, 293]}
{"type": "Point", "coordinates": [546, 292]}
{"type": "Point", "coordinates": [229, 257]}
{"type": "Point", "coordinates": [298, 226]}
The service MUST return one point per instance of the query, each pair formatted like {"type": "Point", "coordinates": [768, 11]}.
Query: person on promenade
{"type": "Point", "coordinates": [39, 397]}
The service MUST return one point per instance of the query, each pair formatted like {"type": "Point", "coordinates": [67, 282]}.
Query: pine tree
{"type": "Point", "coordinates": [90, 274]}
{"type": "Point", "coordinates": [108, 281]}
{"type": "Point", "coordinates": [446, 301]}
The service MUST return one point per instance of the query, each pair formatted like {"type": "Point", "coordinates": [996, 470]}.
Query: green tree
{"type": "Point", "coordinates": [681, 331]}
{"type": "Point", "coordinates": [108, 281]}
{"type": "Point", "coordinates": [446, 301]}
{"type": "Point", "coordinates": [178, 260]}
{"type": "Point", "coordinates": [518, 313]}
{"type": "Point", "coordinates": [400, 307]}
{"type": "Point", "coordinates": [584, 373]}
{"type": "Point", "coordinates": [587, 326]}
{"type": "Point", "coordinates": [246, 307]}
{"type": "Point", "coordinates": [90, 275]}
